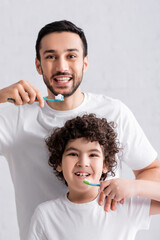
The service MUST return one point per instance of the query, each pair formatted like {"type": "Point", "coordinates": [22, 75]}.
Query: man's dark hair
{"type": "Point", "coordinates": [91, 128]}
{"type": "Point", "coordinates": [60, 26]}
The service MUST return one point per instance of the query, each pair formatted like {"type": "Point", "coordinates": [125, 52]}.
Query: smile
{"type": "Point", "coordinates": [82, 174]}
{"type": "Point", "coordinates": [62, 79]}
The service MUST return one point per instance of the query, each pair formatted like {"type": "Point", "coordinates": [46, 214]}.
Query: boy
{"type": "Point", "coordinates": [86, 148]}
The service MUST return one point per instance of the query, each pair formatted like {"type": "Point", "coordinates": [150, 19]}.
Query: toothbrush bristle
{"type": "Point", "coordinates": [86, 181]}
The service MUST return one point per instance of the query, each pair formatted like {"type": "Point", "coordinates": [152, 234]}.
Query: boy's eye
{"type": "Point", "coordinates": [73, 154]}
{"type": "Point", "coordinates": [93, 155]}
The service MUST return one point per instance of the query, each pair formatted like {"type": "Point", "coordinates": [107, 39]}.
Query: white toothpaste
{"type": "Point", "coordinates": [59, 97]}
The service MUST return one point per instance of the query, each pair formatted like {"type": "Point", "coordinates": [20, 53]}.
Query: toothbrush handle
{"type": "Point", "coordinates": [94, 184]}
{"type": "Point", "coordinates": [12, 99]}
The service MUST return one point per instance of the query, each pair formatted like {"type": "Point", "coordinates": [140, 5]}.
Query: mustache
{"type": "Point", "coordinates": [61, 73]}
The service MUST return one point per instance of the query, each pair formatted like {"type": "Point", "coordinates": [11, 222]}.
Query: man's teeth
{"type": "Point", "coordinates": [82, 174]}
{"type": "Point", "coordinates": [63, 79]}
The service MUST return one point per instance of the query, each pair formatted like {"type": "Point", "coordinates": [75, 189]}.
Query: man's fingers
{"type": "Point", "coordinates": [122, 201]}
{"type": "Point", "coordinates": [40, 98]}
{"type": "Point", "coordinates": [114, 205]}
{"type": "Point", "coordinates": [34, 93]}
{"type": "Point", "coordinates": [101, 198]}
{"type": "Point", "coordinates": [107, 204]}
{"type": "Point", "coordinates": [104, 185]}
{"type": "Point", "coordinates": [23, 92]}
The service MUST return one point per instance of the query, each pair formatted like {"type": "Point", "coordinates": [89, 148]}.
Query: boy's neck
{"type": "Point", "coordinates": [83, 197]}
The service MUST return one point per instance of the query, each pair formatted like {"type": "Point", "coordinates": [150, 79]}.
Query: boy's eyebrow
{"type": "Point", "coordinates": [70, 149]}
{"type": "Point", "coordinates": [94, 150]}
{"type": "Point", "coordinates": [67, 50]}
{"type": "Point", "coordinates": [75, 149]}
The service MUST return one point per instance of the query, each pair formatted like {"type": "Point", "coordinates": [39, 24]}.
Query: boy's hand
{"type": "Point", "coordinates": [22, 92]}
{"type": "Point", "coordinates": [116, 190]}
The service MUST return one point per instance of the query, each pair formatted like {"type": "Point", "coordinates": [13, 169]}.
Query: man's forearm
{"type": "Point", "coordinates": [152, 172]}
{"type": "Point", "coordinates": [147, 189]}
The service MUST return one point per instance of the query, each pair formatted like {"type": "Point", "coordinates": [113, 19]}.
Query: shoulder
{"type": "Point", "coordinates": [8, 108]}
{"type": "Point", "coordinates": [136, 206]}
{"type": "Point", "coordinates": [101, 101]}
{"type": "Point", "coordinates": [50, 206]}
{"type": "Point", "coordinates": [110, 108]}
{"type": "Point", "coordinates": [101, 98]}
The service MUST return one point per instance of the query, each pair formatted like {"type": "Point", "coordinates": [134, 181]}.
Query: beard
{"type": "Point", "coordinates": [74, 86]}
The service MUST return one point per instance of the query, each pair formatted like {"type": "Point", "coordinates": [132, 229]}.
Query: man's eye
{"type": "Point", "coordinates": [51, 57]}
{"type": "Point", "coordinates": [72, 56]}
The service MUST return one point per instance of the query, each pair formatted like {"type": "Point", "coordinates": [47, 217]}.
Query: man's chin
{"type": "Point", "coordinates": [64, 92]}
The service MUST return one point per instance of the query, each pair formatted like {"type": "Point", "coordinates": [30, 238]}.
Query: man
{"type": "Point", "coordinates": [61, 58]}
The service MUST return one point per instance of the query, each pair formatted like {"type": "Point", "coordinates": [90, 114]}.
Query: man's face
{"type": "Point", "coordinates": [62, 63]}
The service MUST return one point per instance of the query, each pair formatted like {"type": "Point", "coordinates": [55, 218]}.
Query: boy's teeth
{"type": "Point", "coordinates": [82, 174]}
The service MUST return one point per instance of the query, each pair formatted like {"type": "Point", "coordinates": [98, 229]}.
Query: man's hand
{"type": "Point", "coordinates": [22, 92]}
{"type": "Point", "coordinates": [116, 190]}
{"type": "Point", "coordinates": [109, 203]}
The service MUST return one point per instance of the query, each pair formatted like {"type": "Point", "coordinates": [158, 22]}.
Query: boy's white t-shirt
{"type": "Point", "coordinates": [23, 130]}
{"type": "Point", "coordinates": [62, 219]}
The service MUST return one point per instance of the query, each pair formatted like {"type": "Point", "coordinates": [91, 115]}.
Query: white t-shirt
{"type": "Point", "coordinates": [22, 133]}
{"type": "Point", "coordinates": [62, 219]}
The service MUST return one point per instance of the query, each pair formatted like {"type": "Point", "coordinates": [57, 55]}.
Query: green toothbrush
{"type": "Point", "coordinates": [86, 181]}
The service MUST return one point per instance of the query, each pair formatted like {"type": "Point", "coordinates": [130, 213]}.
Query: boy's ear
{"type": "Point", "coordinates": [105, 169]}
{"type": "Point", "coordinates": [59, 168]}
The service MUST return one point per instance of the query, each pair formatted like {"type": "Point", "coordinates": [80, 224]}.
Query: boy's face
{"type": "Point", "coordinates": [82, 159]}
{"type": "Point", "coordinates": [62, 63]}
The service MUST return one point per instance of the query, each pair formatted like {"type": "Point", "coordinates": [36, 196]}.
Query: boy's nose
{"type": "Point", "coordinates": [83, 162]}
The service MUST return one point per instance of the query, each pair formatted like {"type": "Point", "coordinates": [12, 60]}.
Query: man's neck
{"type": "Point", "coordinates": [69, 103]}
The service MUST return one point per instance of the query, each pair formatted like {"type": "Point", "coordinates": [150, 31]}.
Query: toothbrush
{"type": "Point", "coordinates": [86, 181]}
{"type": "Point", "coordinates": [48, 99]}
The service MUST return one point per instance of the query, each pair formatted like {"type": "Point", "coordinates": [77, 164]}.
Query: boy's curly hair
{"type": "Point", "coordinates": [91, 128]}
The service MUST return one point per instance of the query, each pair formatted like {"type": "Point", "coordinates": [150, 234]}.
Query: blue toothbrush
{"type": "Point", "coordinates": [48, 99]}
{"type": "Point", "coordinates": [86, 181]}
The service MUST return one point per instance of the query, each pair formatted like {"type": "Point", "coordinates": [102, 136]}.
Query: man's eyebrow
{"type": "Point", "coordinates": [49, 51]}
{"type": "Point", "coordinates": [72, 50]}
{"type": "Point", "coordinates": [67, 50]}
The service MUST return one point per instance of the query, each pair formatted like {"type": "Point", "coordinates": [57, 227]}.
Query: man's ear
{"type": "Point", "coordinates": [59, 168]}
{"type": "Point", "coordinates": [38, 66]}
{"type": "Point", "coordinates": [85, 64]}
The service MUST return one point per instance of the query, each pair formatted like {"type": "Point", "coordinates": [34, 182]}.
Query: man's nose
{"type": "Point", "coordinates": [62, 65]}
